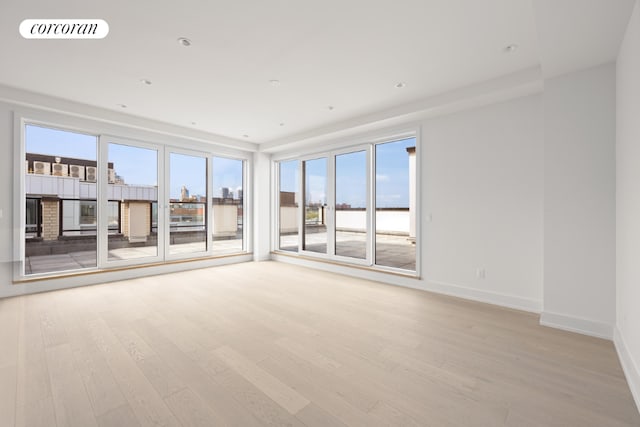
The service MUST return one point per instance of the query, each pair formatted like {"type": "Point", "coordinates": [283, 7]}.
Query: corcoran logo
{"type": "Point", "coordinates": [64, 28]}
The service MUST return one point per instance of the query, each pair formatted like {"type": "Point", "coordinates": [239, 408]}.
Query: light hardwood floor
{"type": "Point", "coordinates": [273, 344]}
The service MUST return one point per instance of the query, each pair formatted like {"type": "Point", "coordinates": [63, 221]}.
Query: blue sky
{"type": "Point", "coordinates": [138, 166]}
{"type": "Point", "coordinates": [392, 176]}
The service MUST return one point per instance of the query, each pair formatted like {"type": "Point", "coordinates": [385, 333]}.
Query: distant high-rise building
{"type": "Point", "coordinates": [239, 193]}
{"type": "Point", "coordinates": [225, 192]}
{"type": "Point", "coordinates": [184, 194]}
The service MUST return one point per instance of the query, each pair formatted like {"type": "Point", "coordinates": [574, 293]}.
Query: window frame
{"type": "Point", "coordinates": [128, 135]}
{"type": "Point", "coordinates": [346, 145]}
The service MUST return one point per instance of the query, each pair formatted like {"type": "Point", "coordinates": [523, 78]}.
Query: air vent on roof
{"type": "Point", "coordinates": [91, 173]}
{"type": "Point", "coordinates": [76, 171]}
{"type": "Point", "coordinates": [42, 168]}
{"type": "Point", "coordinates": [59, 169]}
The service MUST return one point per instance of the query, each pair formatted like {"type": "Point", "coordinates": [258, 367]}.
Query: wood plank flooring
{"type": "Point", "coordinates": [271, 344]}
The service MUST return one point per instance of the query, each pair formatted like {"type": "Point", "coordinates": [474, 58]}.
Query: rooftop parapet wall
{"type": "Point", "coordinates": [64, 187]}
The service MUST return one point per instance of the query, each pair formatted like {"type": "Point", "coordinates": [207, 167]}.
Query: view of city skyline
{"type": "Point", "coordinates": [392, 177]}
{"type": "Point", "coordinates": [185, 170]}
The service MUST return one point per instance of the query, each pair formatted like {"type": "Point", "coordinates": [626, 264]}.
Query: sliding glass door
{"type": "Point", "coordinates": [132, 194]}
{"type": "Point", "coordinates": [395, 213]}
{"type": "Point", "coordinates": [288, 206]}
{"type": "Point", "coordinates": [59, 198]}
{"type": "Point", "coordinates": [336, 207]}
{"type": "Point", "coordinates": [96, 201]}
{"type": "Point", "coordinates": [359, 205]}
{"type": "Point", "coordinates": [228, 205]}
{"type": "Point", "coordinates": [351, 204]}
{"type": "Point", "coordinates": [316, 209]}
{"type": "Point", "coordinates": [188, 213]}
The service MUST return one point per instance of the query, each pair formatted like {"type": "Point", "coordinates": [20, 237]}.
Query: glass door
{"type": "Point", "coordinates": [358, 205]}
{"type": "Point", "coordinates": [188, 206]}
{"type": "Point", "coordinates": [130, 205]}
{"type": "Point", "coordinates": [336, 216]}
{"type": "Point", "coordinates": [228, 206]}
{"type": "Point", "coordinates": [395, 204]}
{"type": "Point", "coordinates": [316, 210]}
{"type": "Point", "coordinates": [351, 205]}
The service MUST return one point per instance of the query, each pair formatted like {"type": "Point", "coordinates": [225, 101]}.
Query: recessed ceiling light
{"type": "Point", "coordinates": [245, 136]}
{"type": "Point", "coordinates": [330, 107]}
{"type": "Point", "coordinates": [193, 123]}
{"type": "Point", "coordinates": [274, 82]}
{"type": "Point", "coordinates": [183, 41]}
{"type": "Point", "coordinates": [122, 105]}
{"type": "Point", "coordinates": [281, 124]}
{"type": "Point", "coordinates": [400, 85]}
{"type": "Point", "coordinates": [510, 48]}
{"type": "Point", "coordinates": [145, 82]}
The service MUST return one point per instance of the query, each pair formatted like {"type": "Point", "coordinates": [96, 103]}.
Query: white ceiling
{"type": "Point", "coordinates": [345, 53]}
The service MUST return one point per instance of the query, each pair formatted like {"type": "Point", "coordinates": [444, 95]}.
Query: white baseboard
{"type": "Point", "coordinates": [631, 371]}
{"type": "Point", "coordinates": [577, 324]}
{"type": "Point", "coordinates": [488, 297]}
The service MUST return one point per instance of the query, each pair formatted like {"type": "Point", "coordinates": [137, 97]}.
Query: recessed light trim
{"type": "Point", "coordinates": [145, 82]}
{"type": "Point", "coordinates": [331, 108]}
{"type": "Point", "coordinates": [183, 41]}
{"type": "Point", "coordinates": [281, 124]}
{"type": "Point", "coordinates": [245, 136]}
{"type": "Point", "coordinates": [400, 85]}
{"type": "Point", "coordinates": [510, 48]}
{"type": "Point", "coordinates": [122, 105]}
{"type": "Point", "coordinates": [274, 82]}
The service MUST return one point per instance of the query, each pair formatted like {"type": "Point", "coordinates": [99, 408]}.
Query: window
{"type": "Point", "coordinates": [132, 179]}
{"type": "Point", "coordinates": [288, 197]}
{"type": "Point", "coordinates": [228, 205]}
{"type": "Point", "coordinates": [351, 205]}
{"type": "Point", "coordinates": [60, 221]}
{"type": "Point", "coordinates": [33, 221]}
{"type": "Point", "coordinates": [314, 235]}
{"type": "Point", "coordinates": [359, 205]}
{"type": "Point", "coordinates": [188, 204]}
{"type": "Point", "coordinates": [98, 201]}
{"type": "Point", "coordinates": [395, 206]}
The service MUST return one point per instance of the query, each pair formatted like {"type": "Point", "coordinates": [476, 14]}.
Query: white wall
{"type": "Point", "coordinates": [628, 204]}
{"type": "Point", "coordinates": [579, 201]}
{"type": "Point", "coordinates": [481, 172]}
{"type": "Point", "coordinates": [6, 199]}
{"type": "Point", "coordinates": [262, 207]}
{"type": "Point", "coordinates": [482, 186]}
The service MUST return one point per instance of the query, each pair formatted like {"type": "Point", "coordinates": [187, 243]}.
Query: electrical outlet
{"type": "Point", "coordinates": [480, 273]}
